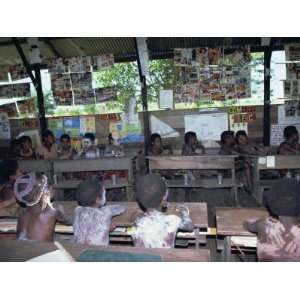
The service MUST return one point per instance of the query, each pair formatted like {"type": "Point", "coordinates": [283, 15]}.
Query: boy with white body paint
{"type": "Point", "coordinates": [156, 229]}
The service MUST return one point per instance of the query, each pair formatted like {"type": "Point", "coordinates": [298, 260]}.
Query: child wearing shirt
{"type": "Point", "coordinates": [155, 229]}
{"type": "Point", "coordinates": [93, 218]}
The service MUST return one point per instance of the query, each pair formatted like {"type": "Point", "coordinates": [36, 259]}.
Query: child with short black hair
{"type": "Point", "coordinates": [92, 218]}
{"type": "Point", "coordinates": [191, 145]}
{"type": "Point", "coordinates": [37, 222]}
{"type": "Point", "coordinates": [156, 229]}
{"type": "Point", "coordinates": [291, 144]}
{"type": "Point", "coordinates": [278, 236]}
{"type": "Point", "coordinates": [156, 147]}
{"type": "Point", "coordinates": [27, 151]}
{"type": "Point", "coordinates": [65, 149]}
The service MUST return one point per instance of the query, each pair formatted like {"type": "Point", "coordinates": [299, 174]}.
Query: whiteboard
{"type": "Point", "coordinates": [207, 126]}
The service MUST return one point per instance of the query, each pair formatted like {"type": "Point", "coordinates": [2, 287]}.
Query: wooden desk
{"type": "Point", "coordinates": [91, 165]}
{"type": "Point", "coordinates": [37, 166]}
{"type": "Point", "coordinates": [282, 162]}
{"type": "Point", "coordinates": [230, 227]}
{"type": "Point", "coordinates": [17, 251]}
{"type": "Point", "coordinates": [201, 162]}
{"type": "Point", "coordinates": [198, 213]}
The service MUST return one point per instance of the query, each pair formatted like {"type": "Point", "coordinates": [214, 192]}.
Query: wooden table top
{"type": "Point", "coordinates": [230, 219]}
{"type": "Point", "coordinates": [17, 251]}
{"type": "Point", "coordinates": [198, 212]}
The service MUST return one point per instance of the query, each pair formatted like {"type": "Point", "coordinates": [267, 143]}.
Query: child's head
{"type": "Point", "coordinates": [290, 133]}
{"type": "Point", "coordinates": [31, 189]}
{"type": "Point", "coordinates": [284, 198]}
{"type": "Point", "coordinates": [88, 140]}
{"type": "Point", "coordinates": [151, 191]}
{"type": "Point", "coordinates": [65, 141]}
{"type": "Point", "coordinates": [48, 137]}
{"type": "Point", "coordinates": [26, 142]}
{"type": "Point", "coordinates": [91, 193]}
{"type": "Point", "coordinates": [241, 138]}
{"type": "Point", "coordinates": [9, 170]}
{"type": "Point", "coordinates": [227, 138]}
{"type": "Point", "coordinates": [155, 140]}
{"type": "Point", "coordinates": [190, 138]}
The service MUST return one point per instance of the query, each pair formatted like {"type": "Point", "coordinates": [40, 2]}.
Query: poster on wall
{"type": "Point", "coordinates": [103, 62]}
{"type": "Point", "coordinates": [21, 90]}
{"type": "Point", "coordinates": [207, 126]}
{"type": "Point", "coordinates": [61, 82]}
{"type": "Point", "coordinates": [57, 65]}
{"type": "Point", "coordinates": [10, 109]}
{"type": "Point", "coordinates": [289, 113]}
{"type": "Point", "coordinates": [81, 81]}
{"type": "Point", "coordinates": [87, 124]}
{"type": "Point", "coordinates": [79, 64]}
{"type": "Point", "coordinates": [162, 128]}
{"type": "Point", "coordinates": [84, 97]}
{"type": "Point", "coordinates": [185, 57]}
{"type": "Point", "coordinates": [166, 99]}
{"type": "Point", "coordinates": [63, 97]}
{"type": "Point", "coordinates": [28, 123]}
{"type": "Point", "coordinates": [235, 127]}
{"type": "Point", "coordinates": [239, 57]}
{"type": "Point", "coordinates": [5, 133]}
{"type": "Point", "coordinates": [105, 94]}
{"type": "Point", "coordinates": [72, 126]}
{"type": "Point", "coordinates": [56, 125]}
{"type": "Point", "coordinates": [292, 52]}
{"type": "Point", "coordinates": [26, 106]}
{"type": "Point", "coordinates": [4, 74]}
{"type": "Point", "coordinates": [277, 133]}
{"type": "Point", "coordinates": [18, 72]}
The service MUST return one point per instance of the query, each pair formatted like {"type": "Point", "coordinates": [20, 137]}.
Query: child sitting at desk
{"type": "Point", "coordinates": [26, 151]}
{"type": "Point", "coordinates": [89, 149]}
{"type": "Point", "coordinates": [278, 236]}
{"type": "Point", "coordinates": [92, 218]}
{"type": "Point", "coordinates": [155, 229]}
{"type": "Point", "coordinates": [155, 146]}
{"type": "Point", "coordinates": [37, 222]}
{"type": "Point", "coordinates": [191, 145]}
{"type": "Point", "coordinates": [114, 148]}
{"type": "Point", "coordinates": [291, 145]}
{"type": "Point", "coordinates": [65, 149]}
{"type": "Point", "coordinates": [48, 149]}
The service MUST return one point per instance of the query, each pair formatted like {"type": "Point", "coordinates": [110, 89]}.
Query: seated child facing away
{"type": "Point", "coordinates": [156, 229]}
{"type": "Point", "coordinates": [92, 218]}
{"type": "Point", "coordinates": [278, 236]}
{"type": "Point", "coordinates": [37, 222]}
{"type": "Point", "coordinates": [291, 144]}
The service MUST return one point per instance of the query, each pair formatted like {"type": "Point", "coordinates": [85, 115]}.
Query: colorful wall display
{"type": "Point", "coordinates": [18, 72]}
{"type": "Point", "coordinates": [72, 126]}
{"type": "Point", "coordinates": [87, 124]}
{"type": "Point", "coordinates": [26, 106]}
{"type": "Point", "coordinates": [56, 125]}
{"type": "Point", "coordinates": [102, 62]}
{"type": "Point", "coordinates": [20, 90]}
{"type": "Point", "coordinates": [10, 109]}
{"type": "Point", "coordinates": [105, 94]}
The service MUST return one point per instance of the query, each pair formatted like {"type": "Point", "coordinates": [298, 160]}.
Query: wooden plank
{"type": "Point", "coordinates": [35, 165]}
{"type": "Point", "coordinates": [230, 219]}
{"type": "Point", "coordinates": [282, 162]}
{"type": "Point", "coordinates": [202, 183]}
{"type": "Point", "coordinates": [85, 165]}
{"type": "Point", "coordinates": [205, 162]}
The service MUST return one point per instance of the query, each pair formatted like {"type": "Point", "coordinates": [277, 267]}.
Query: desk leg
{"type": "Point", "coordinates": [227, 248]}
{"type": "Point", "coordinates": [197, 235]}
{"type": "Point", "coordinates": [234, 195]}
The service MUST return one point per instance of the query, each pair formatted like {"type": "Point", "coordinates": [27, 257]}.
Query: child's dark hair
{"type": "Point", "coordinates": [88, 191]}
{"type": "Point", "coordinates": [89, 136]}
{"type": "Point", "coordinates": [240, 133]}
{"type": "Point", "coordinates": [24, 139]}
{"type": "Point", "coordinates": [47, 133]}
{"type": "Point", "coordinates": [284, 198]}
{"type": "Point", "coordinates": [65, 136]}
{"type": "Point", "coordinates": [150, 190]}
{"type": "Point", "coordinates": [289, 131]}
{"type": "Point", "coordinates": [188, 135]}
{"type": "Point", "coordinates": [8, 168]}
{"type": "Point", "coordinates": [226, 134]}
{"type": "Point", "coordinates": [153, 137]}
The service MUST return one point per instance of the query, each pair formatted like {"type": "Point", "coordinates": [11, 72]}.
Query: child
{"type": "Point", "coordinates": [89, 149]}
{"type": "Point", "coordinates": [155, 146]}
{"type": "Point", "coordinates": [48, 150]}
{"type": "Point", "coordinates": [155, 229]}
{"type": "Point", "coordinates": [291, 145]}
{"type": "Point", "coordinates": [65, 149]}
{"type": "Point", "coordinates": [227, 143]}
{"type": "Point", "coordinates": [191, 145]}
{"type": "Point", "coordinates": [27, 151]}
{"type": "Point", "coordinates": [92, 219]}
{"type": "Point", "coordinates": [37, 222]}
{"type": "Point", "coordinates": [10, 172]}
{"type": "Point", "coordinates": [278, 237]}
{"type": "Point", "coordinates": [114, 147]}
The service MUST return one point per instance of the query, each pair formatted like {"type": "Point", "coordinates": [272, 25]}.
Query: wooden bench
{"type": "Point", "coordinates": [37, 166]}
{"type": "Point", "coordinates": [122, 223]}
{"type": "Point", "coordinates": [18, 251]}
{"type": "Point", "coordinates": [230, 231]}
{"type": "Point", "coordinates": [205, 162]}
{"type": "Point", "coordinates": [91, 165]}
{"type": "Point", "coordinates": [262, 163]}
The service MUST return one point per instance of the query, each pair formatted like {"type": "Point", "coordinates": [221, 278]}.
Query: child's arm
{"type": "Point", "coordinates": [61, 215]}
{"type": "Point", "coordinates": [254, 226]}
{"type": "Point", "coordinates": [186, 221]}
{"type": "Point", "coordinates": [116, 209]}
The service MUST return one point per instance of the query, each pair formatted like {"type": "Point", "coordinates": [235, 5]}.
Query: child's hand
{"type": "Point", "coordinates": [183, 210]}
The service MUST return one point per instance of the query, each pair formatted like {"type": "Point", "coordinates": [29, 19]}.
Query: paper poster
{"type": "Point", "coordinates": [277, 134]}
{"type": "Point", "coordinates": [188, 74]}
{"type": "Point", "coordinates": [87, 124]}
{"type": "Point", "coordinates": [215, 56]}
{"type": "Point", "coordinates": [4, 127]}
{"type": "Point", "coordinates": [28, 123]}
{"type": "Point", "coordinates": [61, 82]}
{"type": "Point", "coordinates": [26, 106]}
{"type": "Point", "coordinates": [289, 113]}
{"type": "Point", "coordinates": [235, 127]}
{"type": "Point", "coordinates": [166, 99]}
{"type": "Point", "coordinates": [292, 52]}
{"type": "Point", "coordinates": [81, 81]}
{"type": "Point", "coordinates": [103, 62]}
{"type": "Point", "coordinates": [105, 94]}
{"type": "Point", "coordinates": [63, 97]}
{"type": "Point", "coordinates": [21, 90]}
{"type": "Point", "coordinates": [270, 161]}
{"type": "Point", "coordinates": [17, 72]}
{"type": "Point", "coordinates": [185, 57]}
{"type": "Point", "coordinates": [57, 65]}
{"type": "Point", "coordinates": [160, 127]}
{"type": "Point", "coordinates": [84, 97]}
{"type": "Point", "coordinates": [202, 56]}
{"type": "Point", "coordinates": [56, 125]}
{"type": "Point", "coordinates": [238, 57]}
{"type": "Point", "coordinates": [207, 126]}
{"type": "Point", "coordinates": [79, 64]}
{"type": "Point", "coordinates": [72, 126]}
{"type": "Point", "coordinates": [4, 73]}
{"type": "Point", "coordinates": [10, 109]}
{"type": "Point", "coordinates": [34, 135]}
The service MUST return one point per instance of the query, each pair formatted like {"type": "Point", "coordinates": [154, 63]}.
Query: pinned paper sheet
{"type": "Point", "coordinates": [262, 160]}
{"type": "Point", "coordinates": [166, 99]}
{"type": "Point", "coordinates": [270, 161]}
{"type": "Point", "coordinates": [160, 127]}
{"type": "Point", "coordinates": [53, 256]}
